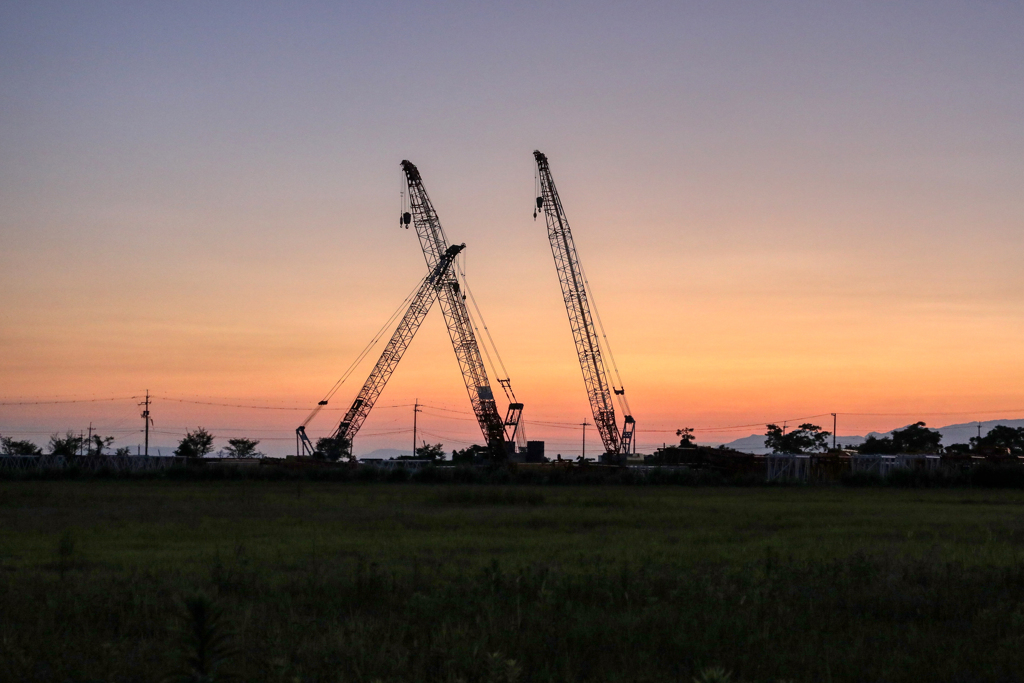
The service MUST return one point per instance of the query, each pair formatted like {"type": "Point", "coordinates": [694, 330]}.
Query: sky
{"type": "Point", "coordinates": [785, 210]}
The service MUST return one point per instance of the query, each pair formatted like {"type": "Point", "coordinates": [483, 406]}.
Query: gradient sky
{"type": "Point", "coordinates": [785, 209]}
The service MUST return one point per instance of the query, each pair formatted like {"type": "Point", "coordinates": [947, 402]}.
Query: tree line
{"type": "Point", "coordinates": [197, 443]}
{"type": "Point", "coordinates": [913, 439]}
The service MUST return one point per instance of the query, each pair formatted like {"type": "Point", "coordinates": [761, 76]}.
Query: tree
{"type": "Point", "coordinates": [67, 445]}
{"type": "Point", "coordinates": [916, 438]}
{"type": "Point", "coordinates": [686, 439]}
{"type": "Point", "coordinates": [1001, 437]}
{"type": "Point", "coordinates": [196, 444]}
{"type": "Point", "coordinates": [912, 439]}
{"type": "Point", "coordinates": [97, 444]}
{"type": "Point", "coordinates": [430, 451]}
{"type": "Point", "coordinates": [807, 438]}
{"type": "Point", "coordinates": [332, 448]}
{"type": "Point", "coordinates": [11, 447]}
{"type": "Point", "coordinates": [472, 455]}
{"type": "Point", "coordinates": [123, 452]}
{"type": "Point", "coordinates": [875, 446]}
{"type": "Point", "coordinates": [243, 448]}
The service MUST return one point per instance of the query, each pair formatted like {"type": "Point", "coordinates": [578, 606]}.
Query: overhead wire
{"type": "Point", "coordinates": [369, 347]}
{"type": "Point", "coordinates": [63, 401]}
{"type": "Point", "coordinates": [622, 400]}
{"type": "Point", "coordinates": [238, 405]}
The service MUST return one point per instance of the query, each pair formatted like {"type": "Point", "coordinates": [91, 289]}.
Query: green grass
{"type": "Point", "coordinates": [413, 582]}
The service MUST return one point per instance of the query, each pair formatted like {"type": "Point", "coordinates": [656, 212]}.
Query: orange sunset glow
{"type": "Point", "coordinates": [779, 229]}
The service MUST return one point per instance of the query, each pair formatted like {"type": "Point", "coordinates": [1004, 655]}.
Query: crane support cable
{"type": "Point", "coordinates": [487, 330]}
{"type": "Point", "coordinates": [395, 349]}
{"type": "Point", "coordinates": [623, 401]}
{"type": "Point", "coordinates": [483, 323]}
{"type": "Point", "coordinates": [483, 347]}
{"type": "Point", "coordinates": [366, 350]}
{"type": "Point", "coordinates": [513, 419]}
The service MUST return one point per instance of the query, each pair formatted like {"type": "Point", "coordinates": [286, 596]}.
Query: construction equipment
{"type": "Point", "coordinates": [500, 434]}
{"type": "Point", "coordinates": [578, 304]}
{"type": "Point", "coordinates": [388, 361]}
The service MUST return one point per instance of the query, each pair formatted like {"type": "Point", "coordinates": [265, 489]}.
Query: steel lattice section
{"type": "Point", "coordinates": [396, 347]}
{"type": "Point", "coordinates": [574, 295]}
{"type": "Point", "coordinates": [456, 316]}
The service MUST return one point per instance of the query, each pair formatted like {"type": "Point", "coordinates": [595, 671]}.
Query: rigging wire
{"type": "Point", "coordinates": [623, 401]}
{"type": "Point", "coordinates": [369, 347]}
{"type": "Point", "coordinates": [483, 323]}
{"type": "Point", "coordinates": [506, 385]}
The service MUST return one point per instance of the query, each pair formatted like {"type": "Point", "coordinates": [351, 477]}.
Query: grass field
{"type": "Point", "coordinates": [409, 582]}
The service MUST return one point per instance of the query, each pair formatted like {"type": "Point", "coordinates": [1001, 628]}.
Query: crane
{"type": "Point", "coordinates": [389, 358]}
{"type": "Point", "coordinates": [434, 243]}
{"type": "Point", "coordinates": [578, 305]}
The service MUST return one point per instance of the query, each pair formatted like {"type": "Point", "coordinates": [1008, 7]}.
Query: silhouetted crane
{"type": "Point", "coordinates": [578, 306]}
{"type": "Point", "coordinates": [389, 358]}
{"type": "Point", "coordinates": [434, 243]}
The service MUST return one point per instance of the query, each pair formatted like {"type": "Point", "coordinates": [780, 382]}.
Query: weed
{"type": "Point", "coordinates": [65, 552]}
{"type": "Point", "coordinates": [713, 674]}
{"type": "Point", "coordinates": [207, 645]}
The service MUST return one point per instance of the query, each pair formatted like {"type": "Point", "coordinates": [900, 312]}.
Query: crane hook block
{"type": "Point", "coordinates": [540, 202]}
{"type": "Point", "coordinates": [406, 218]}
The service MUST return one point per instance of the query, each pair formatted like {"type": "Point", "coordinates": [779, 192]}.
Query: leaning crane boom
{"type": "Point", "coordinates": [578, 306]}
{"type": "Point", "coordinates": [434, 243]}
{"type": "Point", "coordinates": [390, 357]}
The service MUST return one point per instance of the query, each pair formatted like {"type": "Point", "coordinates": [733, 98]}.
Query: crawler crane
{"type": "Point", "coordinates": [500, 434]}
{"type": "Point", "coordinates": [578, 305]}
{"type": "Point", "coordinates": [388, 361]}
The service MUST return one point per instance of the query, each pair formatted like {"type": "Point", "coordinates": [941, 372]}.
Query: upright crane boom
{"type": "Point", "coordinates": [389, 358]}
{"type": "Point", "coordinates": [577, 305]}
{"type": "Point", "coordinates": [434, 243]}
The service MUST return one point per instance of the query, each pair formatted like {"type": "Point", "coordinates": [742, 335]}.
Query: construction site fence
{"type": "Point", "coordinates": [816, 468]}
{"type": "Point", "coordinates": [89, 463]}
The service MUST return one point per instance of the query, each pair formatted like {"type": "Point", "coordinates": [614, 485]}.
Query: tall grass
{"type": "Point", "coordinates": [489, 584]}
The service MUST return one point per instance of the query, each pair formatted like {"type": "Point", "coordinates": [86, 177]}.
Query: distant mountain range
{"type": "Point", "coordinates": [958, 433]}
{"type": "Point", "coordinates": [385, 453]}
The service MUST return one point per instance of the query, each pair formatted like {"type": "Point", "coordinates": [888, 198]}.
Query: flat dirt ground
{"type": "Point", "coordinates": [100, 581]}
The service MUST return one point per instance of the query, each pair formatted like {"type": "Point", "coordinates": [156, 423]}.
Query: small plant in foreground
{"type": "Point", "coordinates": [502, 670]}
{"type": "Point", "coordinates": [713, 674]}
{"type": "Point", "coordinates": [65, 552]}
{"type": "Point", "coordinates": [207, 645]}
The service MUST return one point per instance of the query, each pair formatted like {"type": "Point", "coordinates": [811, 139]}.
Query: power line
{"type": "Point", "coordinates": [62, 401]}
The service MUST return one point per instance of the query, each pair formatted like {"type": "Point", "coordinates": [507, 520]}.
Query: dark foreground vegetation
{"type": "Point", "coordinates": [718, 470]}
{"type": "Point", "coordinates": [310, 581]}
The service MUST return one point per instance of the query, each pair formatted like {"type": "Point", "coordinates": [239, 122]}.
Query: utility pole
{"type": "Point", "coordinates": [833, 431]}
{"type": "Point", "coordinates": [145, 420]}
{"type": "Point", "coordinates": [979, 431]}
{"type": "Point", "coordinates": [88, 444]}
{"type": "Point", "coordinates": [415, 409]}
{"type": "Point", "coordinates": [584, 455]}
